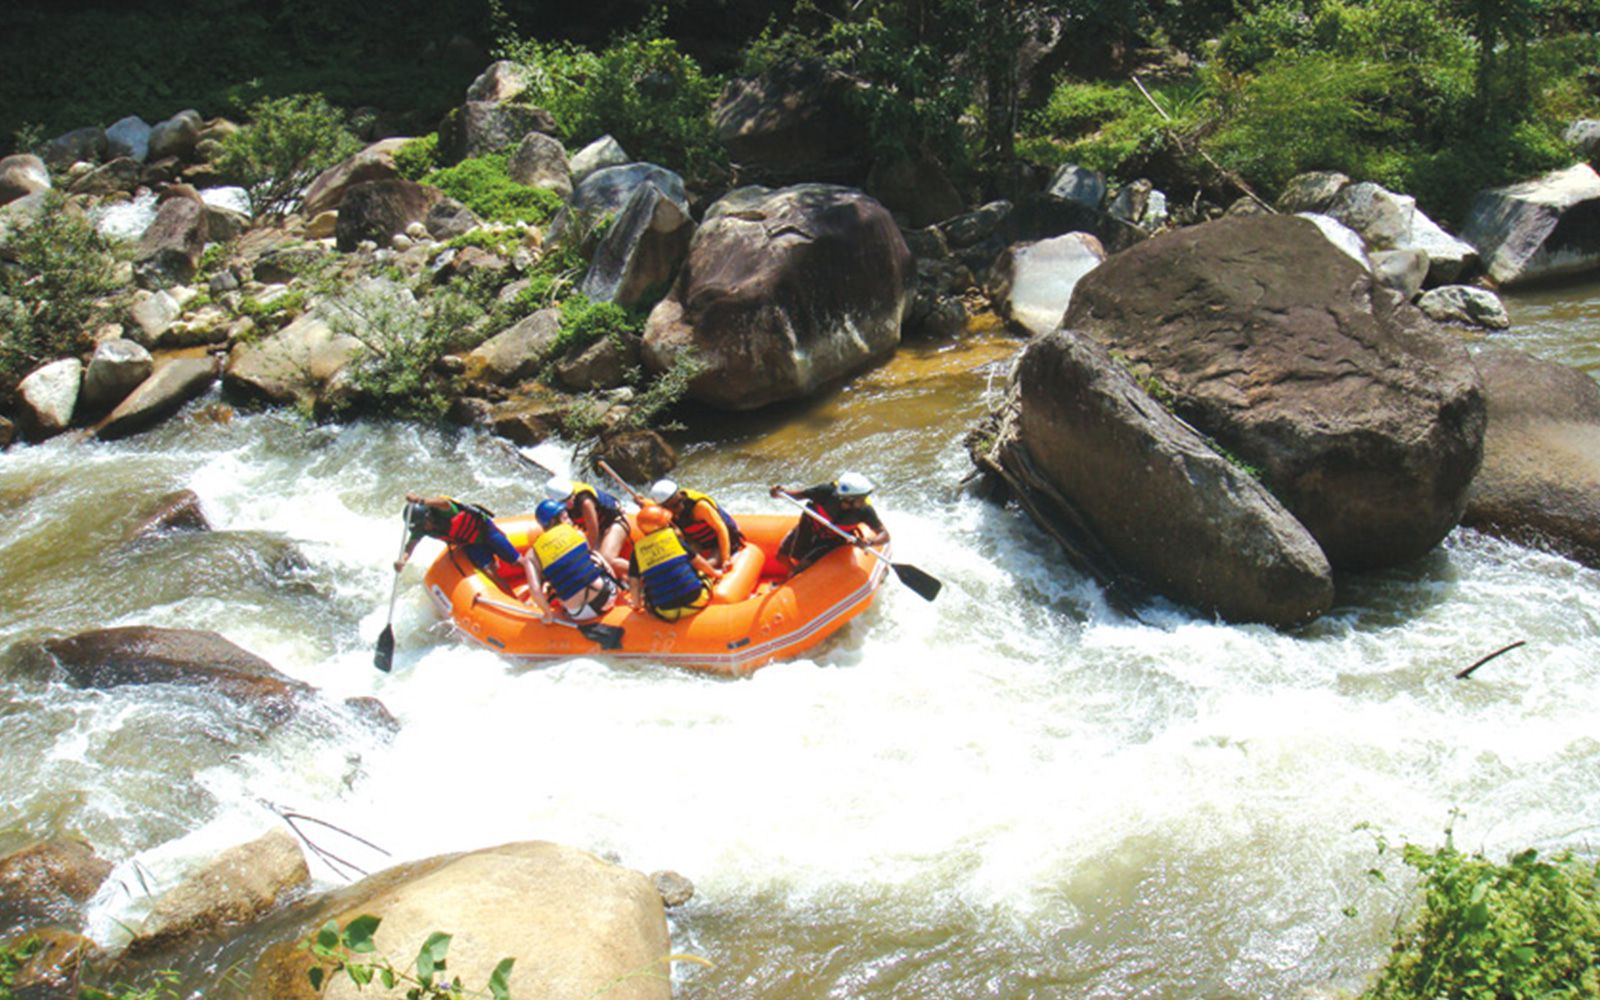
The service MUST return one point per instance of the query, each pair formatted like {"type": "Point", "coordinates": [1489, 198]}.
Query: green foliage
{"type": "Point", "coordinates": [664, 391]}
{"type": "Point", "coordinates": [50, 298]}
{"type": "Point", "coordinates": [415, 159]}
{"type": "Point", "coordinates": [15, 954]}
{"type": "Point", "coordinates": [334, 951]}
{"type": "Point", "coordinates": [642, 90]}
{"type": "Point", "coordinates": [904, 52]}
{"type": "Point", "coordinates": [1105, 127]}
{"type": "Point", "coordinates": [484, 184]}
{"type": "Point", "coordinates": [288, 141]}
{"type": "Point", "coordinates": [1527, 928]}
{"type": "Point", "coordinates": [404, 340]}
{"type": "Point", "coordinates": [1314, 112]}
{"type": "Point", "coordinates": [584, 322]}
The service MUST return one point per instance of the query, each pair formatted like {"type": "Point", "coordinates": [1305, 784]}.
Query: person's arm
{"type": "Point", "coordinates": [870, 519]}
{"type": "Point", "coordinates": [703, 565]}
{"type": "Point", "coordinates": [705, 512]}
{"type": "Point", "coordinates": [536, 597]}
{"type": "Point", "coordinates": [588, 518]}
{"type": "Point", "coordinates": [415, 536]}
{"type": "Point", "coordinates": [635, 585]}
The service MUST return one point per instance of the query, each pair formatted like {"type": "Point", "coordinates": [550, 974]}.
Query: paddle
{"type": "Point", "coordinates": [926, 587]}
{"type": "Point", "coordinates": [638, 498]}
{"type": "Point", "coordinates": [383, 657]}
{"type": "Point", "coordinates": [602, 635]}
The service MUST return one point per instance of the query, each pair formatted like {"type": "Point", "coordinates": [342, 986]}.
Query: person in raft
{"type": "Point", "coordinates": [711, 531]}
{"type": "Point", "coordinates": [598, 515]}
{"type": "Point", "coordinates": [565, 575]}
{"type": "Point", "coordinates": [665, 576]}
{"type": "Point", "coordinates": [466, 527]}
{"type": "Point", "coordinates": [847, 503]}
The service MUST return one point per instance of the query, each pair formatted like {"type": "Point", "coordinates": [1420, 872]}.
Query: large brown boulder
{"type": "Point", "coordinates": [783, 292]}
{"type": "Point", "coordinates": [147, 654]}
{"type": "Point", "coordinates": [375, 163]}
{"type": "Point", "coordinates": [1364, 419]}
{"type": "Point", "coordinates": [1141, 500]}
{"type": "Point", "coordinates": [576, 925]}
{"type": "Point", "coordinates": [1540, 481]}
{"type": "Point", "coordinates": [377, 210]}
{"type": "Point", "coordinates": [48, 882]}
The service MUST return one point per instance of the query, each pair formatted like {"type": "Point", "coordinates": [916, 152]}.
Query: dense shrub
{"type": "Point", "coordinates": [484, 185]}
{"type": "Point", "coordinates": [415, 159]}
{"type": "Point", "coordinates": [1527, 928]}
{"type": "Point", "coordinates": [50, 297]}
{"type": "Point", "coordinates": [404, 340]}
{"type": "Point", "coordinates": [1110, 128]}
{"type": "Point", "coordinates": [288, 141]}
{"type": "Point", "coordinates": [642, 90]}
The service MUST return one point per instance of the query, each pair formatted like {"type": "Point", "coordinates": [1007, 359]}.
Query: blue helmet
{"type": "Point", "coordinates": [548, 511]}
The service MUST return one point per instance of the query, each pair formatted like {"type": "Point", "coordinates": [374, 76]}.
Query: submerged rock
{"type": "Point", "coordinates": [48, 882]}
{"type": "Point", "coordinates": [147, 654]}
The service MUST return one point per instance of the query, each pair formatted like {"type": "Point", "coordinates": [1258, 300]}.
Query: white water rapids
{"type": "Point", "coordinates": [1013, 791]}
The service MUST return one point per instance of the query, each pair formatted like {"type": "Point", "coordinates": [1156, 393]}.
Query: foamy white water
{"type": "Point", "coordinates": [1012, 791]}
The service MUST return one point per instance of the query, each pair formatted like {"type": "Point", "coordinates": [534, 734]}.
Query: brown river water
{"type": "Point", "coordinates": [1015, 791]}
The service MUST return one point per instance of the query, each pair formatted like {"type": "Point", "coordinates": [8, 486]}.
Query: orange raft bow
{"type": "Point", "coordinates": [756, 615]}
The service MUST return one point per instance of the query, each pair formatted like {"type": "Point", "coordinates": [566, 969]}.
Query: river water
{"type": "Point", "coordinates": [1015, 791]}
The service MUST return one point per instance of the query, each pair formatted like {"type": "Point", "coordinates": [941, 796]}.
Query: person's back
{"type": "Point", "coordinates": [669, 579]}
{"type": "Point", "coordinates": [562, 559]}
{"type": "Point", "coordinates": [711, 531]}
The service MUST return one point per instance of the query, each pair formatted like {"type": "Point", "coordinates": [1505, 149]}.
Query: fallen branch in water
{"type": "Point", "coordinates": [332, 860]}
{"type": "Point", "coordinates": [1486, 659]}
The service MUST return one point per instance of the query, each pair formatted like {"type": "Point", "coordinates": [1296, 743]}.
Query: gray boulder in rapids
{"type": "Point", "coordinates": [1365, 419]}
{"type": "Point", "coordinates": [783, 292]}
{"type": "Point", "coordinates": [1138, 498]}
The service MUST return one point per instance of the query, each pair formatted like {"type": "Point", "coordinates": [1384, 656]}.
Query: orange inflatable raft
{"type": "Point", "coordinates": [756, 615]}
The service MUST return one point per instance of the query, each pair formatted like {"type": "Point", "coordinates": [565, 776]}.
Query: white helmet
{"type": "Point", "coordinates": [854, 484]}
{"type": "Point", "coordinates": [558, 488]}
{"type": "Point", "coordinates": [663, 490]}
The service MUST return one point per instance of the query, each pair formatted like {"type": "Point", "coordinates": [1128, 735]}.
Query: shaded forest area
{"type": "Point", "coordinates": [69, 63]}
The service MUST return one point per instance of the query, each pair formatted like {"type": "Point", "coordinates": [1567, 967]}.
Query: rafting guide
{"type": "Point", "coordinates": [845, 503]}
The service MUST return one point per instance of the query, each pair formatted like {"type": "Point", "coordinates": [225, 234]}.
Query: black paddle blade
{"type": "Point", "coordinates": [926, 587]}
{"type": "Point", "coordinates": [383, 657]}
{"type": "Point", "coordinates": [606, 636]}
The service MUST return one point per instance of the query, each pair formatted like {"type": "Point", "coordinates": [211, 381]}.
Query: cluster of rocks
{"type": "Point", "coordinates": [575, 922]}
{"type": "Point", "coordinates": [1230, 413]}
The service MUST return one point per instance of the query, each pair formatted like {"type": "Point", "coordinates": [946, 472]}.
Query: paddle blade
{"type": "Point", "coordinates": [383, 657]}
{"type": "Point", "coordinates": [926, 587]}
{"type": "Point", "coordinates": [606, 636]}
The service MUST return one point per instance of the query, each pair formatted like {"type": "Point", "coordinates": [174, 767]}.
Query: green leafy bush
{"type": "Point", "coordinates": [288, 141]}
{"type": "Point", "coordinates": [353, 952]}
{"type": "Point", "coordinates": [642, 90]}
{"type": "Point", "coordinates": [415, 159]}
{"type": "Point", "coordinates": [51, 297]}
{"type": "Point", "coordinates": [1108, 128]}
{"type": "Point", "coordinates": [484, 184]}
{"type": "Point", "coordinates": [1527, 928]}
{"type": "Point", "coordinates": [1314, 112]}
{"type": "Point", "coordinates": [398, 373]}
{"type": "Point", "coordinates": [583, 322]}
